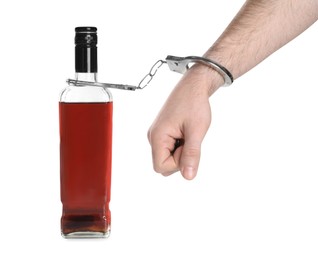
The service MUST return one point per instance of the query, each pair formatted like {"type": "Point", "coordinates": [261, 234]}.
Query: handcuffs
{"type": "Point", "coordinates": [176, 64]}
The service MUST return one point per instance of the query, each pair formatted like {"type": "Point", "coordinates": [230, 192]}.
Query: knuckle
{"type": "Point", "coordinates": [152, 134]}
{"type": "Point", "coordinates": [157, 169]}
{"type": "Point", "coordinates": [149, 135]}
{"type": "Point", "coordinates": [162, 169]}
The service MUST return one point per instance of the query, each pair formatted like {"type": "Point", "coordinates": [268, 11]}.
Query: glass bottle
{"type": "Point", "coordinates": [85, 114]}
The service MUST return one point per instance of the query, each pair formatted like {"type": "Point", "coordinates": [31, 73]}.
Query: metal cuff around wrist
{"type": "Point", "coordinates": [181, 65]}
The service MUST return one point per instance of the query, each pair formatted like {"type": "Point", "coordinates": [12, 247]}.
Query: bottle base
{"type": "Point", "coordinates": [86, 234]}
{"type": "Point", "coordinates": [85, 226]}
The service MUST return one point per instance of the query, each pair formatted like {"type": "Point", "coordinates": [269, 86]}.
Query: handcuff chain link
{"type": "Point", "coordinates": [146, 79]}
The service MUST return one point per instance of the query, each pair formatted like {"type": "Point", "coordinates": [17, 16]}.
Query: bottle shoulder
{"type": "Point", "coordinates": [73, 94]}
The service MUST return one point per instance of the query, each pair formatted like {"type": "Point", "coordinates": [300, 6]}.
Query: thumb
{"type": "Point", "coordinates": [190, 157]}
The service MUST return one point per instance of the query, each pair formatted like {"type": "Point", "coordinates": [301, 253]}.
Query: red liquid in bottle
{"type": "Point", "coordinates": [85, 162]}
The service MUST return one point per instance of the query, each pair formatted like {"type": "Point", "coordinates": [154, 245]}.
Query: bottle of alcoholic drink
{"type": "Point", "coordinates": [85, 113]}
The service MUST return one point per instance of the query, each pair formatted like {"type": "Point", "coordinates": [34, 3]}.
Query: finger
{"type": "Point", "coordinates": [191, 152]}
{"type": "Point", "coordinates": [177, 144]}
{"type": "Point", "coordinates": [190, 159]}
{"type": "Point", "coordinates": [164, 161]}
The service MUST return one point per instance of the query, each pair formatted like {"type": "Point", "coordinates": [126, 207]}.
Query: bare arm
{"type": "Point", "coordinates": [259, 29]}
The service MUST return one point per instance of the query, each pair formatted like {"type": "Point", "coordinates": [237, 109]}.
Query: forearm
{"type": "Point", "coordinates": [260, 28]}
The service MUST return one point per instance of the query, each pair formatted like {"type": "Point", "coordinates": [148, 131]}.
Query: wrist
{"type": "Point", "coordinates": [206, 78]}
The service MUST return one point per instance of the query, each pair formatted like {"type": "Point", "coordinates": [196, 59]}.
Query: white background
{"type": "Point", "coordinates": [255, 196]}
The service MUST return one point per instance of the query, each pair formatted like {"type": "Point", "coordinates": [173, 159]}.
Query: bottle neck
{"type": "Point", "coordinates": [86, 54]}
{"type": "Point", "coordinates": [85, 58]}
{"type": "Point", "coordinates": [86, 76]}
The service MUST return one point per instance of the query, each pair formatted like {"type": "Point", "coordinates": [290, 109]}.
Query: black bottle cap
{"type": "Point", "coordinates": [86, 35]}
{"type": "Point", "coordinates": [86, 29]}
{"type": "Point", "coordinates": [86, 49]}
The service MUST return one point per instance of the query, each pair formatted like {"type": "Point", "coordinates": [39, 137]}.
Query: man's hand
{"type": "Point", "coordinates": [258, 30]}
{"type": "Point", "coordinates": [186, 116]}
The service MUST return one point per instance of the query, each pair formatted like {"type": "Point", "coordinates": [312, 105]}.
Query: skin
{"type": "Point", "coordinates": [259, 29]}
